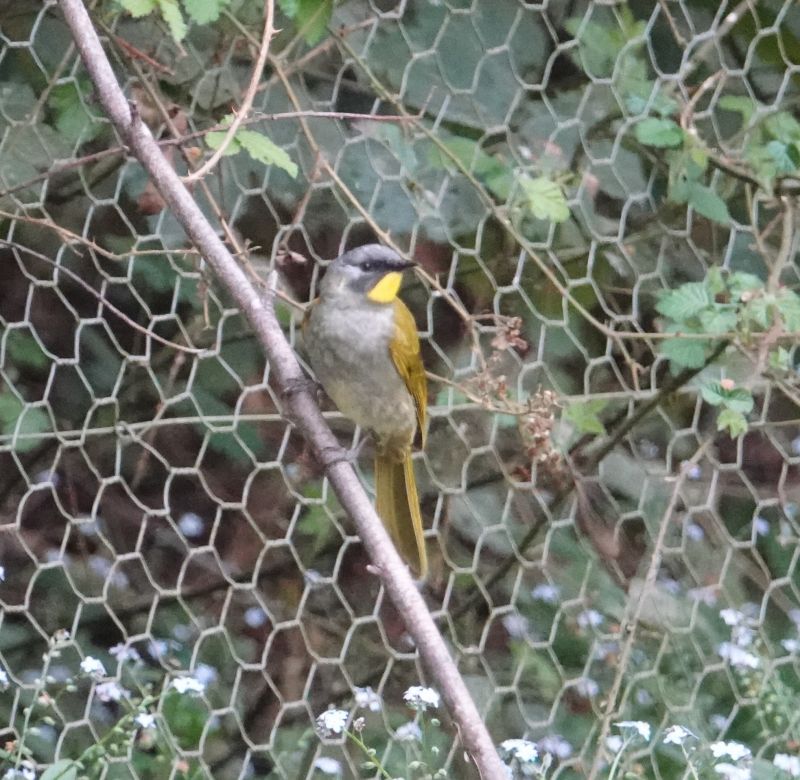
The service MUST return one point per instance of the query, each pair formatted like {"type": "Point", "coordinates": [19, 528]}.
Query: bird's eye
{"type": "Point", "coordinates": [368, 266]}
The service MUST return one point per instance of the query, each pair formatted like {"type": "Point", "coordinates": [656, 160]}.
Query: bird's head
{"type": "Point", "coordinates": [372, 272]}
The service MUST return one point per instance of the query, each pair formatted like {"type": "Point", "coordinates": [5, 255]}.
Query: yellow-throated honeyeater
{"type": "Point", "coordinates": [363, 346]}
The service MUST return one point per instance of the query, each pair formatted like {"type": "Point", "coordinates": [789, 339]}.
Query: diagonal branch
{"type": "Point", "coordinates": [301, 405]}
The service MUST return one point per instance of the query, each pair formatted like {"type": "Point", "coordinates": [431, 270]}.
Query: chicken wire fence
{"type": "Point", "coordinates": [610, 507]}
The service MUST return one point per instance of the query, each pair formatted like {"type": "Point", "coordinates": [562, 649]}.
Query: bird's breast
{"type": "Point", "coordinates": [349, 352]}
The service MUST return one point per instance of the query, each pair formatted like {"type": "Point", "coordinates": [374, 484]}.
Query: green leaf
{"type": "Point", "coordinates": [312, 17]}
{"type": "Point", "coordinates": [289, 7]}
{"type": "Point", "coordinates": [732, 422]}
{"type": "Point", "coordinates": [138, 8]}
{"type": "Point", "coordinates": [171, 14]}
{"type": "Point", "coordinates": [585, 416]}
{"type": "Point", "coordinates": [789, 308]}
{"type": "Point", "coordinates": [659, 132]}
{"type": "Point", "coordinates": [784, 155]}
{"type": "Point", "coordinates": [740, 282]}
{"type": "Point", "coordinates": [214, 141]}
{"type": "Point", "coordinates": [685, 353]}
{"type": "Point", "coordinates": [780, 359]}
{"type": "Point", "coordinates": [783, 126]}
{"type": "Point", "coordinates": [204, 11]}
{"type": "Point", "coordinates": [66, 769]}
{"type": "Point", "coordinates": [545, 199]}
{"type": "Point", "coordinates": [718, 320]}
{"type": "Point", "coordinates": [73, 120]}
{"type": "Point", "coordinates": [739, 104]}
{"type": "Point", "coordinates": [738, 398]}
{"type": "Point", "coordinates": [260, 148]}
{"type": "Point", "coordinates": [685, 302]}
{"type": "Point", "coordinates": [706, 202]}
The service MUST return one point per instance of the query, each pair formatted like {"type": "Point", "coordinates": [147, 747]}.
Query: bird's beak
{"type": "Point", "coordinates": [401, 264]}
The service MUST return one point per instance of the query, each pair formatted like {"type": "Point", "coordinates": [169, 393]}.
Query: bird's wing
{"type": "Point", "coordinates": [405, 353]}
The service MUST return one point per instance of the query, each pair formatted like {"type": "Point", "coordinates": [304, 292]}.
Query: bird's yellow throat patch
{"type": "Point", "coordinates": [385, 291]}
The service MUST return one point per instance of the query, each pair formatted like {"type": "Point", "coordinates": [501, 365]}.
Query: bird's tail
{"type": "Point", "coordinates": [397, 504]}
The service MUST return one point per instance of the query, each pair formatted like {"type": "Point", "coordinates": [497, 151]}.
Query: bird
{"type": "Point", "coordinates": [363, 346]}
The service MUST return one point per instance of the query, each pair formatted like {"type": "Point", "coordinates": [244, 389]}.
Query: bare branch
{"type": "Point", "coordinates": [300, 402]}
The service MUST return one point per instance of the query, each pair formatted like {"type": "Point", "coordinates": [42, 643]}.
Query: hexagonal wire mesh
{"type": "Point", "coordinates": [537, 160]}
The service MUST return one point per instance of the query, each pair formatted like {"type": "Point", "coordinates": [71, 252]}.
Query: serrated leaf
{"type": "Point", "coordinates": [739, 399]}
{"type": "Point", "coordinates": [759, 311]}
{"type": "Point", "coordinates": [662, 133]}
{"type": "Point", "coordinates": [66, 769]}
{"type": "Point", "coordinates": [138, 8]}
{"type": "Point", "coordinates": [585, 416]}
{"type": "Point", "coordinates": [545, 199]}
{"type": "Point", "coordinates": [706, 202]}
{"type": "Point", "coordinates": [685, 302]}
{"type": "Point", "coordinates": [260, 148]}
{"type": "Point", "coordinates": [732, 422]}
{"type": "Point", "coordinates": [712, 393]}
{"type": "Point", "coordinates": [718, 320]}
{"type": "Point", "coordinates": [171, 14]}
{"type": "Point", "coordinates": [685, 353]}
{"type": "Point", "coordinates": [312, 17]}
{"type": "Point", "coordinates": [740, 282]}
{"type": "Point", "coordinates": [204, 11]}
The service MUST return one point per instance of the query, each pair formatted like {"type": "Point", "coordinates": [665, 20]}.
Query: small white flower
{"type": "Point", "coordinates": [587, 687]}
{"type": "Point", "coordinates": [547, 593]}
{"type": "Point", "coordinates": [706, 595]}
{"type": "Point", "coordinates": [677, 735]}
{"type": "Point", "coordinates": [122, 653]}
{"type": "Point", "coordinates": [419, 697]}
{"type": "Point", "coordinates": [733, 772]}
{"type": "Point", "coordinates": [191, 525]}
{"type": "Point", "coordinates": [2, 573]}
{"type": "Point", "coordinates": [255, 617]}
{"type": "Point", "coordinates": [145, 720]}
{"type": "Point", "coordinates": [520, 750]}
{"type": "Point", "coordinates": [409, 732]}
{"type": "Point", "coordinates": [590, 618]}
{"type": "Point", "coordinates": [694, 471]}
{"type": "Point", "coordinates": [516, 625]}
{"type": "Point", "coordinates": [794, 616]}
{"type": "Point", "coordinates": [366, 698]}
{"type": "Point", "coordinates": [205, 674]}
{"type": "Point", "coordinates": [328, 766]}
{"type": "Point", "coordinates": [614, 743]}
{"type": "Point", "coordinates": [4, 681]}
{"type": "Point", "coordinates": [787, 763]}
{"type": "Point", "coordinates": [719, 722]}
{"type": "Point", "coordinates": [762, 526]}
{"type": "Point", "coordinates": [732, 617]}
{"type": "Point", "coordinates": [738, 656]}
{"type": "Point", "coordinates": [187, 685]}
{"type": "Point", "coordinates": [332, 722]}
{"type": "Point", "coordinates": [695, 532]}
{"type": "Point", "coordinates": [93, 667]}
{"type": "Point", "coordinates": [639, 726]}
{"type": "Point", "coordinates": [734, 750]}
{"type": "Point", "coordinates": [110, 691]}
{"type": "Point", "coordinates": [791, 645]}
{"type": "Point", "coordinates": [555, 745]}
{"type": "Point", "coordinates": [158, 647]}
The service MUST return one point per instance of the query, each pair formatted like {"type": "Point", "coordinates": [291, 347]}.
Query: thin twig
{"type": "Point", "coordinates": [301, 404]}
{"type": "Point", "coordinates": [634, 611]}
{"type": "Point", "coordinates": [247, 101]}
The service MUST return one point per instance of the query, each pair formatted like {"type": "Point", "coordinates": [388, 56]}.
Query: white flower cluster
{"type": "Point", "coordinates": [420, 698]}
{"type": "Point", "coordinates": [332, 722]}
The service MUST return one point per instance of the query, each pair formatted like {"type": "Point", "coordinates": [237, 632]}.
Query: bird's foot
{"type": "Point", "coordinates": [328, 456]}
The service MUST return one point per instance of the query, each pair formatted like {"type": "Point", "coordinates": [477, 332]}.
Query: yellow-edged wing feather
{"type": "Point", "coordinates": [407, 358]}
